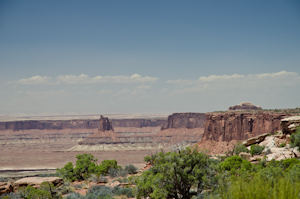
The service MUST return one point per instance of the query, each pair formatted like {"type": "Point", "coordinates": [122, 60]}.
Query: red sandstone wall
{"type": "Point", "coordinates": [230, 125]}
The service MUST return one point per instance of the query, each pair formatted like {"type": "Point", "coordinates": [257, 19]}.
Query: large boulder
{"type": "Point", "coordinates": [37, 181]}
{"type": "Point", "coordinates": [255, 140]}
{"type": "Point", "coordinates": [289, 125]}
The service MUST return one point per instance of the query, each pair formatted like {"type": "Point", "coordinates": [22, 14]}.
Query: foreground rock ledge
{"type": "Point", "coordinates": [37, 181]}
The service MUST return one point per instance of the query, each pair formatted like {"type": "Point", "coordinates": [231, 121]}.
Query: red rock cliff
{"type": "Point", "coordinates": [77, 124]}
{"type": "Point", "coordinates": [231, 125]}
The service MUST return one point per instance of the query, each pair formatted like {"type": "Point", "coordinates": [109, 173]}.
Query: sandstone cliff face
{"type": "Point", "coordinates": [78, 124]}
{"type": "Point", "coordinates": [49, 124]}
{"type": "Point", "coordinates": [231, 125]}
{"type": "Point", "coordinates": [139, 123]}
{"type": "Point", "coordinates": [186, 120]}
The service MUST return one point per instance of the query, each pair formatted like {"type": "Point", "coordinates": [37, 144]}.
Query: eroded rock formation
{"type": "Point", "coordinates": [105, 124]}
{"type": "Point", "coordinates": [230, 125]}
{"type": "Point", "coordinates": [245, 106]}
{"type": "Point", "coordinates": [289, 125]}
{"type": "Point", "coordinates": [186, 120]}
{"type": "Point", "coordinates": [182, 128]}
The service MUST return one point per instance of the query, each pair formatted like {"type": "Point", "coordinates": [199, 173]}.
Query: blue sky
{"type": "Point", "coordinates": [101, 57]}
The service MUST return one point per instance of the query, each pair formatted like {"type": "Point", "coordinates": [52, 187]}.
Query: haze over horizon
{"type": "Point", "coordinates": [156, 57]}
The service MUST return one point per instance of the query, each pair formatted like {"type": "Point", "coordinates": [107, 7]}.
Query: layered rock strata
{"type": "Point", "coordinates": [182, 128]}
{"type": "Point", "coordinates": [77, 124]}
{"type": "Point", "coordinates": [230, 125]}
{"type": "Point", "coordinates": [186, 120]}
{"type": "Point", "coordinates": [289, 125]}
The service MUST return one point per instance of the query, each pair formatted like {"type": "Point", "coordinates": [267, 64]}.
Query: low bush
{"type": "Point", "coordinates": [85, 167]}
{"type": "Point", "coordinates": [96, 178]}
{"type": "Point", "coordinates": [74, 196]}
{"type": "Point", "coordinates": [235, 163]}
{"type": "Point", "coordinates": [4, 179]}
{"type": "Point", "coordinates": [282, 145]}
{"type": "Point", "coordinates": [256, 149]}
{"type": "Point", "coordinates": [131, 169]}
{"type": "Point", "coordinates": [99, 192]}
{"type": "Point", "coordinates": [11, 195]}
{"type": "Point", "coordinates": [117, 172]}
{"type": "Point", "coordinates": [239, 147]}
{"type": "Point", "coordinates": [295, 139]}
{"type": "Point", "coordinates": [123, 191]}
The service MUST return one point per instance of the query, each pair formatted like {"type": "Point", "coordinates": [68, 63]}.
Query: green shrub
{"type": "Point", "coordinates": [104, 167]}
{"type": "Point", "coordinates": [32, 193]}
{"type": "Point", "coordinates": [239, 147]}
{"type": "Point", "coordinates": [295, 139]}
{"type": "Point", "coordinates": [11, 195]}
{"type": "Point", "coordinates": [282, 145]}
{"type": "Point", "coordinates": [264, 189]}
{"type": "Point", "coordinates": [74, 196]}
{"type": "Point", "coordinates": [4, 179]}
{"type": "Point", "coordinates": [235, 163]}
{"type": "Point", "coordinates": [99, 192]}
{"type": "Point", "coordinates": [85, 165]}
{"type": "Point", "coordinates": [131, 169]}
{"type": "Point", "coordinates": [123, 191]}
{"type": "Point", "coordinates": [96, 178]}
{"type": "Point", "coordinates": [67, 172]}
{"type": "Point", "coordinates": [256, 149]}
{"type": "Point", "coordinates": [293, 173]}
{"type": "Point", "coordinates": [113, 172]}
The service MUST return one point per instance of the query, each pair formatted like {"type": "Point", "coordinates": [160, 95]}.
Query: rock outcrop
{"type": "Point", "coordinates": [245, 106]}
{"type": "Point", "coordinates": [105, 124]}
{"type": "Point", "coordinates": [37, 181]}
{"type": "Point", "coordinates": [255, 140]}
{"type": "Point", "coordinates": [227, 126]}
{"type": "Point", "coordinates": [186, 120]}
{"type": "Point", "coordinates": [6, 187]}
{"type": "Point", "coordinates": [289, 125]}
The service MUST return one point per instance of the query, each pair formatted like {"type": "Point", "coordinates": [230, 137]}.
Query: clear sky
{"type": "Point", "coordinates": [133, 56]}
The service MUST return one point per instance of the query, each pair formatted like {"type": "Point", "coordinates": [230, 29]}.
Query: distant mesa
{"type": "Point", "coordinates": [245, 106]}
{"type": "Point", "coordinates": [186, 120]}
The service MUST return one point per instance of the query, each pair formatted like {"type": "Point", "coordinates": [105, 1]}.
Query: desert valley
{"type": "Point", "coordinates": [51, 142]}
